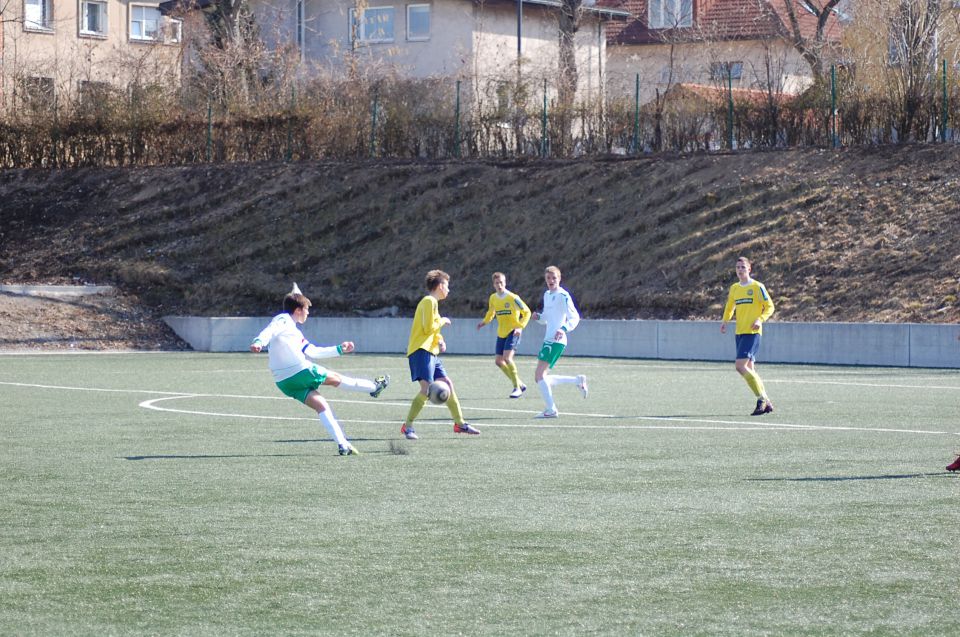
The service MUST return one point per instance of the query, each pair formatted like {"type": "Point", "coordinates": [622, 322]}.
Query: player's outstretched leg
{"type": "Point", "coordinates": [372, 387]}
{"type": "Point", "coordinates": [381, 383]}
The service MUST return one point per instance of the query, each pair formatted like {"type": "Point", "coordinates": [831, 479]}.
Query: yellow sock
{"type": "Point", "coordinates": [415, 407]}
{"type": "Point", "coordinates": [754, 382]}
{"type": "Point", "coordinates": [453, 404]}
{"type": "Point", "coordinates": [513, 374]}
{"type": "Point", "coordinates": [506, 371]}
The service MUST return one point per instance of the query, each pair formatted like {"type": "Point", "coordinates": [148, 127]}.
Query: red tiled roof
{"type": "Point", "coordinates": [714, 94]}
{"type": "Point", "coordinates": [722, 20]}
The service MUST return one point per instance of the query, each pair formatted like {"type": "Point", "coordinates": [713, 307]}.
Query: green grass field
{"type": "Point", "coordinates": [181, 493]}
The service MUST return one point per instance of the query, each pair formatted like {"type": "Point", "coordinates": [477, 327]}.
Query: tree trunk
{"type": "Point", "coordinates": [569, 19]}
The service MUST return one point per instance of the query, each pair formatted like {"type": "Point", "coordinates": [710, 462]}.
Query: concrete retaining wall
{"type": "Point", "coordinates": [55, 290]}
{"type": "Point", "coordinates": [899, 345]}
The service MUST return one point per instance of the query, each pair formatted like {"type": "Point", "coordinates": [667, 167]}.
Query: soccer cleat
{"type": "Point", "coordinates": [548, 413]}
{"type": "Point", "coordinates": [582, 384]}
{"type": "Point", "coordinates": [381, 383]}
{"type": "Point", "coordinates": [408, 432]}
{"type": "Point", "coordinates": [465, 428]}
{"type": "Point", "coordinates": [763, 407]}
{"type": "Point", "coordinates": [955, 465]}
{"type": "Point", "coordinates": [347, 450]}
{"type": "Point", "coordinates": [516, 393]}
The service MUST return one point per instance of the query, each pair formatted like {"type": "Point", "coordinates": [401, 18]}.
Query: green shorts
{"type": "Point", "coordinates": [551, 353]}
{"type": "Point", "coordinates": [302, 383]}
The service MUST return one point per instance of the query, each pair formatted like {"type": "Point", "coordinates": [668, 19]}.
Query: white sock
{"type": "Point", "coordinates": [357, 384]}
{"type": "Point", "coordinates": [328, 420]}
{"type": "Point", "coordinates": [547, 393]}
{"type": "Point", "coordinates": [563, 380]}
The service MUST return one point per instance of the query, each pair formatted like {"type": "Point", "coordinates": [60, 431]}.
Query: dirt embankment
{"type": "Point", "coordinates": [858, 235]}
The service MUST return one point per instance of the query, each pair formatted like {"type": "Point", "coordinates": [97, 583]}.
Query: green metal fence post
{"type": "Point", "coordinates": [730, 106]}
{"type": "Point", "coordinates": [288, 156]}
{"type": "Point", "coordinates": [209, 131]}
{"type": "Point", "coordinates": [543, 122]}
{"type": "Point", "coordinates": [456, 126]}
{"type": "Point", "coordinates": [833, 106]}
{"type": "Point", "coordinates": [636, 115]}
{"type": "Point", "coordinates": [943, 109]}
{"type": "Point", "coordinates": [373, 125]}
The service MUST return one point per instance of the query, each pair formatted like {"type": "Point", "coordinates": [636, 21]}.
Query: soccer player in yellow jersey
{"type": "Point", "coordinates": [512, 316]}
{"type": "Point", "coordinates": [423, 353]}
{"type": "Point", "coordinates": [748, 299]}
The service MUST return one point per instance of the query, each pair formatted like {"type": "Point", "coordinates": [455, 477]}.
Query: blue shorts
{"type": "Point", "coordinates": [747, 346]}
{"type": "Point", "coordinates": [426, 366]}
{"type": "Point", "coordinates": [510, 341]}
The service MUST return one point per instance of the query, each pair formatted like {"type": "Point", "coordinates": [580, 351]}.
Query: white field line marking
{"type": "Point", "coordinates": [731, 424]}
{"type": "Point", "coordinates": [151, 404]}
{"type": "Point", "coordinates": [740, 425]}
{"type": "Point", "coordinates": [106, 352]}
{"type": "Point", "coordinates": [852, 384]}
{"type": "Point", "coordinates": [178, 394]}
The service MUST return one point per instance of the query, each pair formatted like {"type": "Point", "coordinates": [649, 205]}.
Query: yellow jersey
{"type": "Point", "coordinates": [425, 331]}
{"type": "Point", "coordinates": [510, 310]}
{"type": "Point", "coordinates": [750, 302]}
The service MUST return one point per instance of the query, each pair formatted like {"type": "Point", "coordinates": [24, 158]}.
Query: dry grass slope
{"type": "Point", "coordinates": [864, 234]}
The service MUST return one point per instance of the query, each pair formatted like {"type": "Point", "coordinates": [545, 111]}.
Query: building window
{"type": "Point", "coordinates": [376, 25]}
{"type": "Point", "coordinates": [93, 18]}
{"type": "Point", "coordinates": [38, 14]}
{"type": "Point", "coordinates": [723, 70]}
{"type": "Point", "coordinates": [147, 25]}
{"type": "Point", "coordinates": [172, 30]}
{"type": "Point", "coordinates": [144, 23]}
{"type": "Point", "coordinates": [418, 21]}
{"type": "Point", "coordinates": [669, 14]}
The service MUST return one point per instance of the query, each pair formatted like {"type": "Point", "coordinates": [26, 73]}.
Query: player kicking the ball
{"type": "Point", "coordinates": [423, 353]}
{"type": "Point", "coordinates": [560, 316]}
{"type": "Point", "coordinates": [297, 377]}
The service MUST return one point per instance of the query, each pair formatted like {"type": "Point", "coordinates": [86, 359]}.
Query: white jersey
{"type": "Point", "coordinates": [289, 348]}
{"type": "Point", "coordinates": [559, 313]}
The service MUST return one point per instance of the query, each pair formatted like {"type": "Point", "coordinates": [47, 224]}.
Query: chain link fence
{"type": "Point", "coordinates": [443, 118]}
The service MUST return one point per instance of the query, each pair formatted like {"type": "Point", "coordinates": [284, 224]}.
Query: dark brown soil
{"type": "Point", "coordinates": [867, 234]}
{"type": "Point", "coordinates": [109, 321]}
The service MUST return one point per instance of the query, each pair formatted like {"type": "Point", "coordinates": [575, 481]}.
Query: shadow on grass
{"type": "Point", "coordinates": [216, 456]}
{"type": "Point", "coordinates": [900, 476]}
{"type": "Point", "coordinates": [300, 441]}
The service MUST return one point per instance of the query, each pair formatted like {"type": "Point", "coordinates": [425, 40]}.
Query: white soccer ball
{"type": "Point", "coordinates": [438, 392]}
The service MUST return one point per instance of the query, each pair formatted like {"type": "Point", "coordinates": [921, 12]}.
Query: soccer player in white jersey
{"type": "Point", "coordinates": [297, 376]}
{"type": "Point", "coordinates": [560, 316]}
